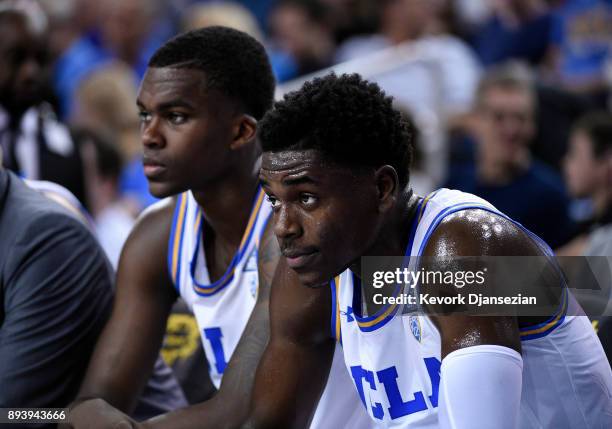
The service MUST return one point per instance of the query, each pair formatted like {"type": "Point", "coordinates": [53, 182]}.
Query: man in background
{"type": "Point", "coordinates": [504, 172]}
{"type": "Point", "coordinates": [588, 172]}
{"type": "Point", "coordinates": [34, 143]}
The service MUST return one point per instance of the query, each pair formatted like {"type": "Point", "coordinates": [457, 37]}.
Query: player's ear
{"type": "Point", "coordinates": [387, 185]}
{"type": "Point", "coordinates": [244, 131]}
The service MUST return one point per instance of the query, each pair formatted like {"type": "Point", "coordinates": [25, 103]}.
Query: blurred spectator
{"type": "Point", "coordinates": [352, 17]}
{"type": "Point", "coordinates": [421, 181]}
{"type": "Point", "coordinates": [588, 172]}
{"type": "Point", "coordinates": [419, 24]}
{"type": "Point", "coordinates": [582, 46]}
{"type": "Point", "coordinates": [300, 29]}
{"type": "Point", "coordinates": [260, 9]}
{"type": "Point", "coordinates": [35, 144]}
{"type": "Point", "coordinates": [113, 217]}
{"type": "Point", "coordinates": [517, 29]}
{"type": "Point", "coordinates": [75, 54]}
{"type": "Point", "coordinates": [557, 110]}
{"type": "Point", "coordinates": [131, 30]}
{"type": "Point", "coordinates": [105, 102]}
{"type": "Point", "coordinates": [504, 172]}
{"type": "Point", "coordinates": [400, 21]}
{"type": "Point", "coordinates": [446, 19]}
{"type": "Point", "coordinates": [226, 14]}
{"type": "Point", "coordinates": [472, 13]}
{"type": "Point", "coordinates": [86, 34]}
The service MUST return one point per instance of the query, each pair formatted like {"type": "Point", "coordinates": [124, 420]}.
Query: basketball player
{"type": "Point", "coordinates": [199, 103]}
{"type": "Point", "coordinates": [335, 168]}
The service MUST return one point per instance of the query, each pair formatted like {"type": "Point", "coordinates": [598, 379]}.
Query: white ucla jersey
{"type": "Point", "coordinates": [222, 309]}
{"type": "Point", "coordinates": [394, 356]}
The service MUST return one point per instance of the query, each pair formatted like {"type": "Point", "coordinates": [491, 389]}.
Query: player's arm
{"type": "Point", "coordinates": [295, 366]}
{"type": "Point", "coordinates": [481, 372]}
{"type": "Point", "coordinates": [230, 406]}
{"type": "Point", "coordinates": [128, 347]}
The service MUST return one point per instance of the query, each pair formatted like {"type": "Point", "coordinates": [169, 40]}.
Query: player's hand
{"type": "Point", "coordinates": [98, 414]}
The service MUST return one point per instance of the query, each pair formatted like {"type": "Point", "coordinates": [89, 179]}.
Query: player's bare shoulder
{"type": "Point", "coordinates": [478, 232]}
{"type": "Point", "coordinates": [147, 243]}
{"type": "Point", "coordinates": [155, 222]}
{"type": "Point", "coordinates": [481, 233]}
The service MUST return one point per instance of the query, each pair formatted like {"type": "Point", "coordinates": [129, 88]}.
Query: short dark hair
{"type": "Point", "coordinates": [598, 127]}
{"type": "Point", "coordinates": [348, 119]}
{"type": "Point", "coordinates": [234, 63]}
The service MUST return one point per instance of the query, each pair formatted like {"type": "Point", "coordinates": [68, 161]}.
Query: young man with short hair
{"type": "Point", "coordinates": [336, 170]}
{"type": "Point", "coordinates": [199, 102]}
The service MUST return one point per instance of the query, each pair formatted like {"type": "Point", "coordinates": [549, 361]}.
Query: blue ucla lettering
{"type": "Point", "coordinates": [214, 335]}
{"type": "Point", "coordinates": [433, 369]}
{"type": "Point", "coordinates": [349, 314]}
{"type": "Point", "coordinates": [397, 407]}
{"type": "Point", "coordinates": [359, 374]}
{"type": "Point", "coordinates": [388, 378]}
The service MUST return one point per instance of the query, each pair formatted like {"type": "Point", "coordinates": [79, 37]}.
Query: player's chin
{"type": "Point", "coordinates": [163, 189]}
{"type": "Point", "coordinates": [313, 279]}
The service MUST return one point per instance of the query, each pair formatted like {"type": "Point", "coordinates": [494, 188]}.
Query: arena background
{"type": "Point", "coordinates": [498, 90]}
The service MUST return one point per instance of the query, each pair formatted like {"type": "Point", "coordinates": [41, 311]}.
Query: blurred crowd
{"type": "Point", "coordinates": [511, 99]}
{"type": "Point", "coordinates": [495, 88]}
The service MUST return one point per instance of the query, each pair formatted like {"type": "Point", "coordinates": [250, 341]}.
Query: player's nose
{"type": "Point", "coordinates": [286, 225]}
{"type": "Point", "coordinates": [151, 135]}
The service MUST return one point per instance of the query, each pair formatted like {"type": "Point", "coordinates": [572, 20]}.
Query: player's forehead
{"type": "Point", "coordinates": [161, 84]}
{"type": "Point", "coordinates": [292, 167]}
{"type": "Point", "coordinates": [291, 159]}
{"type": "Point", "coordinates": [290, 163]}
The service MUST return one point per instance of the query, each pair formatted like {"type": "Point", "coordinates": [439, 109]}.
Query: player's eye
{"type": "Point", "coordinates": [144, 116]}
{"type": "Point", "coordinates": [308, 200]}
{"type": "Point", "coordinates": [273, 201]}
{"type": "Point", "coordinates": [177, 118]}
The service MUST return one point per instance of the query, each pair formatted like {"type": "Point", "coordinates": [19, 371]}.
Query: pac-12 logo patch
{"type": "Point", "coordinates": [415, 327]}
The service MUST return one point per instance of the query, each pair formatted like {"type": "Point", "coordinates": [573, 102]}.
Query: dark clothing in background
{"type": "Point", "coordinates": [38, 147]}
{"type": "Point", "coordinates": [557, 112]}
{"type": "Point", "coordinates": [496, 42]}
{"type": "Point", "coordinates": [56, 296]}
{"type": "Point", "coordinates": [536, 199]}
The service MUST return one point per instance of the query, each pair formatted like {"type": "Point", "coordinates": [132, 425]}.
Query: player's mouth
{"type": "Point", "coordinates": [153, 169]}
{"type": "Point", "coordinates": [300, 259]}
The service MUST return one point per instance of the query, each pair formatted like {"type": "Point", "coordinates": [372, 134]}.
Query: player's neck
{"type": "Point", "coordinates": [394, 233]}
{"type": "Point", "coordinates": [226, 205]}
